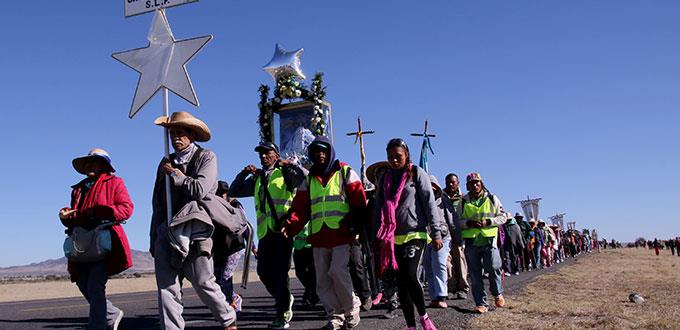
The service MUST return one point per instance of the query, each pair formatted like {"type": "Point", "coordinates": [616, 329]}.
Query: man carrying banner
{"type": "Point", "coordinates": [273, 188]}
{"type": "Point", "coordinates": [330, 199]}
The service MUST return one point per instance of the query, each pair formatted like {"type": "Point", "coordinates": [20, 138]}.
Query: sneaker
{"type": "Point", "coordinates": [279, 323]}
{"type": "Point", "coordinates": [461, 295]}
{"type": "Point", "coordinates": [390, 314]}
{"type": "Point", "coordinates": [516, 273]}
{"type": "Point", "coordinates": [480, 309]}
{"type": "Point", "coordinates": [116, 322]}
{"type": "Point", "coordinates": [352, 318]}
{"type": "Point", "coordinates": [232, 326]}
{"type": "Point", "coordinates": [236, 302]}
{"type": "Point", "coordinates": [366, 304]}
{"type": "Point", "coordinates": [507, 274]}
{"type": "Point", "coordinates": [377, 299]}
{"type": "Point", "coordinates": [288, 315]}
{"type": "Point", "coordinates": [500, 301]}
{"type": "Point", "coordinates": [438, 304]}
{"type": "Point", "coordinates": [427, 323]}
{"type": "Point", "coordinates": [351, 321]}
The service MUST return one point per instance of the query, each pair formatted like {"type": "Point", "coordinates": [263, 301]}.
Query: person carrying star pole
{"type": "Point", "coordinates": [182, 246]}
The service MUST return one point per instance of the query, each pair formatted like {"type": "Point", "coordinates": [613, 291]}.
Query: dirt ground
{"type": "Point", "coordinates": [593, 293]}
{"type": "Point", "coordinates": [64, 289]}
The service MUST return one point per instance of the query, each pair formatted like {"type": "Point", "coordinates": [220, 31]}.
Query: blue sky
{"type": "Point", "coordinates": [572, 101]}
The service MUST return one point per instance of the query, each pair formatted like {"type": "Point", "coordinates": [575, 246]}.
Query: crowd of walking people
{"type": "Point", "coordinates": [353, 245]}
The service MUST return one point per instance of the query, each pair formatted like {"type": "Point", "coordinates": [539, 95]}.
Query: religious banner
{"type": "Point", "coordinates": [558, 220]}
{"type": "Point", "coordinates": [296, 129]}
{"type": "Point", "coordinates": [530, 208]}
{"type": "Point", "coordinates": [303, 112]}
{"type": "Point", "coordinates": [137, 7]}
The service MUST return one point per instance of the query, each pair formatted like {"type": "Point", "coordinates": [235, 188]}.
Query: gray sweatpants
{"type": "Point", "coordinates": [334, 283]}
{"type": "Point", "coordinates": [199, 271]}
{"type": "Point", "coordinates": [91, 282]}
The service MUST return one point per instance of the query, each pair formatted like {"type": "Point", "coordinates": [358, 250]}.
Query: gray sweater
{"type": "Point", "coordinates": [417, 210]}
{"type": "Point", "coordinates": [199, 185]}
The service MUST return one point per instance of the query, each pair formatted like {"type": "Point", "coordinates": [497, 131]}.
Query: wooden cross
{"type": "Point", "coordinates": [359, 137]}
{"type": "Point", "coordinates": [426, 145]}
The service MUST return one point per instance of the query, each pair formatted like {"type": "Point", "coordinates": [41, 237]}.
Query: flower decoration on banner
{"type": "Point", "coordinates": [290, 87]}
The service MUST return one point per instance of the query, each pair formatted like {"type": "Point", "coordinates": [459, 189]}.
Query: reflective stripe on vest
{"type": "Point", "coordinates": [485, 211]}
{"type": "Point", "coordinates": [329, 204]}
{"type": "Point", "coordinates": [281, 197]}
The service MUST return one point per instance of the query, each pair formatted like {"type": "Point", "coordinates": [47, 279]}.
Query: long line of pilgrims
{"type": "Point", "coordinates": [353, 248]}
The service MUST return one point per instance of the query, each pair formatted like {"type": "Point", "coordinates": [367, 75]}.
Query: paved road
{"type": "Point", "coordinates": [141, 311]}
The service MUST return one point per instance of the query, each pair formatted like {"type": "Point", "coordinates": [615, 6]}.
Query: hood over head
{"type": "Point", "coordinates": [323, 143]}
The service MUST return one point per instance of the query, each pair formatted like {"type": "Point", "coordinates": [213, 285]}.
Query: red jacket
{"type": "Point", "coordinates": [107, 199]}
{"type": "Point", "coordinates": [300, 212]}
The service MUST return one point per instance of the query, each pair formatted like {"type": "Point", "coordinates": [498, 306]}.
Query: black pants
{"type": "Point", "coordinates": [358, 271]}
{"type": "Point", "coordinates": [408, 257]}
{"type": "Point", "coordinates": [273, 264]}
{"type": "Point", "coordinates": [304, 270]}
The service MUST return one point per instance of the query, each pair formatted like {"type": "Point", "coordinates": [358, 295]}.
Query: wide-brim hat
{"type": "Point", "coordinates": [188, 121]}
{"type": "Point", "coordinates": [518, 215]}
{"type": "Point", "coordinates": [375, 168]}
{"type": "Point", "coordinates": [96, 153]}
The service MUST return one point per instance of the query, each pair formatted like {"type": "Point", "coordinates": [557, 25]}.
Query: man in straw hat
{"type": "Point", "coordinates": [193, 175]}
{"type": "Point", "coordinates": [480, 215]}
{"type": "Point", "coordinates": [273, 188]}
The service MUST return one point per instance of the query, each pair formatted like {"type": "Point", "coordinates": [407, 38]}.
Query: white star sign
{"type": "Point", "coordinates": [162, 64]}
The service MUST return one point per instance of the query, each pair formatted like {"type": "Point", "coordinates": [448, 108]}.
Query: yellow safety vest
{"type": "Point", "coordinates": [281, 197]}
{"type": "Point", "coordinates": [485, 211]}
{"type": "Point", "coordinates": [329, 204]}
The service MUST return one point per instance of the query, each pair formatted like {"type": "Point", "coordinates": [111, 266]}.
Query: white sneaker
{"type": "Point", "coordinates": [116, 322]}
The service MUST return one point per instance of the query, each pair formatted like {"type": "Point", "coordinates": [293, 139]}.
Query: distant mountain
{"type": "Point", "coordinates": [142, 262]}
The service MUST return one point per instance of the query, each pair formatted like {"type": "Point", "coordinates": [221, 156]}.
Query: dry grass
{"type": "Point", "coordinates": [593, 293]}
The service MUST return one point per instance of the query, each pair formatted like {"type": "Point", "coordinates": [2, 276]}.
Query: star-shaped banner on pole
{"type": "Point", "coordinates": [162, 63]}
{"type": "Point", "coordinates": [284, 62]}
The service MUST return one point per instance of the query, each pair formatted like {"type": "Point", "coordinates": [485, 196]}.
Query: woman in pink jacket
{"type": "Point", "coordinates": [98, 198]}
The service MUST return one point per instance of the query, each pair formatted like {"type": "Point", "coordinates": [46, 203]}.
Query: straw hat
{"type": "Point", "coordinates": [188, 121]}
{"type": "Point", "coordinates": [373, 170]}
{"type": "Point", "coordinates": [96, 153]}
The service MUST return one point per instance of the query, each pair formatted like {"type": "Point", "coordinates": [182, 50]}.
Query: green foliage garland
{"type": "Point", "coordinates": [291, 88]}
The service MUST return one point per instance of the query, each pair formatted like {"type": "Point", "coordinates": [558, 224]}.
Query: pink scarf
{"type": "Point", "coordinates": [388, 220]}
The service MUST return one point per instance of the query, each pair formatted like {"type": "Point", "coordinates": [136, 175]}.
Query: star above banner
{"type": "Point", "coordinates": [162, 64]}
{"type": "Point", "coordinates": [284, 62]}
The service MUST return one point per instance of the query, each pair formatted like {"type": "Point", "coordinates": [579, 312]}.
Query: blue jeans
{"type": "Point", "coordinates": [537, 255]}
{"type": "Point", "coordinates": [91, 281]}
{"type": "Point", "coordinates": [489, 259]}
{"type": "Point", "coordinates": [435, 268]}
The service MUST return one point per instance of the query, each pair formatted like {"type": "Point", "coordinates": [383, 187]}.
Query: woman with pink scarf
{"type": "Point", "coordinates": [406, 211]}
